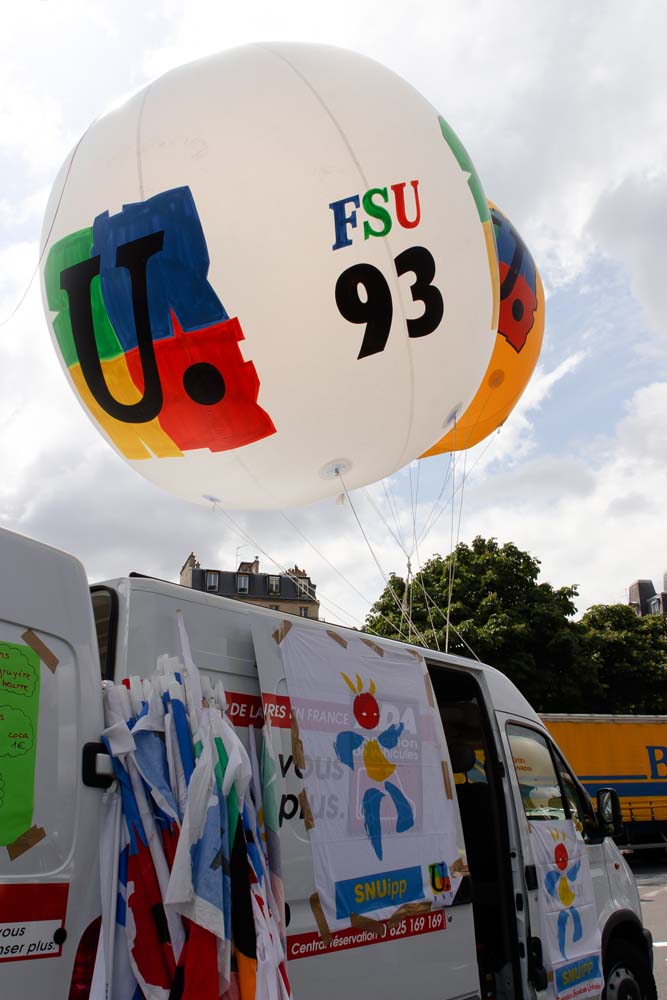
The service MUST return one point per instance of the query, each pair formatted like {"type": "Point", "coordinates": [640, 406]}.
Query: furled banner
{"type": "Point", "coordinates": [378, 790]}
{"type": "Point", "coordinates": [571, 934]}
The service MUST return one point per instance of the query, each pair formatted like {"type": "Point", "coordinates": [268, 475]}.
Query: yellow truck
{"type": "Point", "coordinates": [627, 753]}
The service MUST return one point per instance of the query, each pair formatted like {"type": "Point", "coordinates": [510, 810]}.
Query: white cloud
{"type": "Point", "coordinates": [29, 209]}
{"type": "Point", "coordinates": [642, 434]}
{"type": "Point", "coordinates": [629, 223]}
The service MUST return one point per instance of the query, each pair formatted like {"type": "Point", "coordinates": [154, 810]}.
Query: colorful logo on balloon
{"type": "Point", "coordinates": [345, 220]}
{"type": "Point", "coordinates": [515, 353]}
{"type": "Point", "coordinates": [518, 283]}
{"type": "Point", "coordinates": [481, 204]}
{"type": "Point", "coordinates": [151, 349]}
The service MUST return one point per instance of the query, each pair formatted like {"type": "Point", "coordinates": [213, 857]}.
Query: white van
{"type": "Point", "coordinates": [57, 645]}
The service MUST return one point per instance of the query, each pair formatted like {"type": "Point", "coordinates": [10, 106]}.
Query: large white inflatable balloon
{"type": "Point", "coordinates": [268, 269]}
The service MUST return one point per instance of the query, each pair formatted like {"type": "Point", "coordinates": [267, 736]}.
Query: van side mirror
{"type": "Point", "coordinates": [610, 819]}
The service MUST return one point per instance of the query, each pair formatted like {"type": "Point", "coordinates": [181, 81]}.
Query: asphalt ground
{"type": "Point", "coordinates": [651, 876]}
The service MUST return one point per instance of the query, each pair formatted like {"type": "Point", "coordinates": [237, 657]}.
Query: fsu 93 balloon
{"type": "Point", "coordinates": [517, 347]}
{"type": "Point", "coordinates": [267, 268]}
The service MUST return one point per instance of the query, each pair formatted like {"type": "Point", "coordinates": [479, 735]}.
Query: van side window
{"type": "Point", "coordinates": [538, 782]}
{"type": "Point", "coordinates": [105, 612]}
{"type": "Point", "coordinates": [580, 805]}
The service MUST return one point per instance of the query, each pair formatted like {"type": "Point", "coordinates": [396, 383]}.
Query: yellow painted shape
{"type": "Point", "coordinates": [492, 254]}
{"type": "Point", "coordinates": [565, 892]}
{"type": "Point", "coordinates": [375, 762]}
{"type": "Point", "coordinates": [505, 379]}
{"type": "Point", "coordinates": [134, 441]}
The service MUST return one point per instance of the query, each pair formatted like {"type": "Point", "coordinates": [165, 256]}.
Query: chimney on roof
{"type": "Point", "coordinates": [186, 570]}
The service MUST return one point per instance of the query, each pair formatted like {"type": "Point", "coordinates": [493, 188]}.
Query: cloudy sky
{"type": "Point", "coordinates": [562, 109]}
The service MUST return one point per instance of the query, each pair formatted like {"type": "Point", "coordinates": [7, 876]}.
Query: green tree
{"type": "Point", "coordinates": [628, 655]}
{"type": "Point", "coordinates": [500, 611]}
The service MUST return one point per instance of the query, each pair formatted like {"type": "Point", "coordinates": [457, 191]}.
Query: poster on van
{"type": "Point", "coordinates": [378, 789]}
{"type": "Point", "coordinates": [19, 717]}
{"type": "Point", "coordinates": [567, 906]}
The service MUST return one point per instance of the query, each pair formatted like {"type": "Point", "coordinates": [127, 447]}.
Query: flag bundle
{"type": "Point", "coordinates": [193, 904]}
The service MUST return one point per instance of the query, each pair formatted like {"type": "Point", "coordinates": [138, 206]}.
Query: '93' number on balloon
{"type": "Point", "coordinates": [376, 309]}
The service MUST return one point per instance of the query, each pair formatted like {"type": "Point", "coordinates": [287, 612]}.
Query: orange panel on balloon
{"type": "Point", "coordinates": [517, 347]}
{"type": "Point", "coordinates": [136, 441]}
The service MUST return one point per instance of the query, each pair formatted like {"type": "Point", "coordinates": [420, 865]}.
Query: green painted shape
{"type": "Point", "coordinates": [376, 212]}
{"type": "Point", "coordinates": [65, 253]}
{"type": "Point", "coordinates": [233, 811]}
{"type": "Point", "coordinates": [19, 716]}
{"type": "Point", "coordinates": [268, 782]}
{"type": "Point", "coordinates": [466, 164]}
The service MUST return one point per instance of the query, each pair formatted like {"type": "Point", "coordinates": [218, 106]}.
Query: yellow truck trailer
{"type": "Point", "coordinates": [625, 752]}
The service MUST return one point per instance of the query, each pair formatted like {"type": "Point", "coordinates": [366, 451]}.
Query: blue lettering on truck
{"type": "Point", "coordinates": [634, 784]}
{"type": "Point", "coordinates": [657, 759]}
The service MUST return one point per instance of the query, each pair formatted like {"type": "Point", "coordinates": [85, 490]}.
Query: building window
{"type": "Point", "coordinates": [303, 612]}
{"type": "Point", "coordinates": [242, 580]}
{"type": "Point", "coordinates": [212, 580]}
{"type": "Point", "coordinates": [303, 588]}
{"type": "Point", "coordinates": [655, 606]}
{"type": "Point", "coordinates": [274, 585]}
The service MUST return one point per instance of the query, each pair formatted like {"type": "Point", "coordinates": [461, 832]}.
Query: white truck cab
{"type": "Point", "coordinates": [505, 778]}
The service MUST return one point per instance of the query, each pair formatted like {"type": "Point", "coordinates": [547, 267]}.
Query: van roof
{"type": "Point", "coordinates": [504, 695]}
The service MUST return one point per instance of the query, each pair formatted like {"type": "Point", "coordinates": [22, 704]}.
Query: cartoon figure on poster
{"type": "Point", "coordinates": [558, 883]}
{"type": "Point", "coordinates": [378, 767]}
{"type": "Point", "coordinates": [571, 935]}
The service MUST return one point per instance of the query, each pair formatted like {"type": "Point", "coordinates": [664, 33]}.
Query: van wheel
{"type": "Point", "coordinates": [628, 974]}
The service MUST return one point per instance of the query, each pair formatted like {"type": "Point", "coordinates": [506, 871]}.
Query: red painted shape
{"type": "Point", "coordinates": [561, 856]}
{"type": "Point", "coordinates": [33, 901]}
{"type": "Point", "coordinates": [521, 302]}
{"type": "Point", "coordinates": [234, 421]}
{"type": "Point", "coordinates": [200, 965]}
{"type": "Point", "coordinates": [399, 201]}
{"type": "Point", "coordinates": [153, 955]}
{"type": "Point", "coordinates": [366, 710]}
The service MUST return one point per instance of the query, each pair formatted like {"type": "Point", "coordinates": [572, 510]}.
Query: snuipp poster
{"type": "Point", "coordinates": [367, 727]}
{"type": "Point", "coordinates": [569, 917]}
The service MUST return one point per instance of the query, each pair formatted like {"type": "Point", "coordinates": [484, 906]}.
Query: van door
{"type": "Point", "coordinates": [50, 707]}
{"type": "Point", "coordinates": [564, 863]}
{"type": "Point", "coordinates": [490, 834]}
{"type": "Point", "coordinates": [420, 951]}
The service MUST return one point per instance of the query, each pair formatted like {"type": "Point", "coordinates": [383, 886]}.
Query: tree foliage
{"type": "Point", "coordinates": [610, 661]}
{"type": "Point", "coordinates": [628, 656]}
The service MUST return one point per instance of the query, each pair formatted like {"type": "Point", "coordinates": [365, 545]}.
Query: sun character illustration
{"type": "Point", "coordinates": [557, 883]}
{"type": "Point", "coordinates": [378, 767]}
